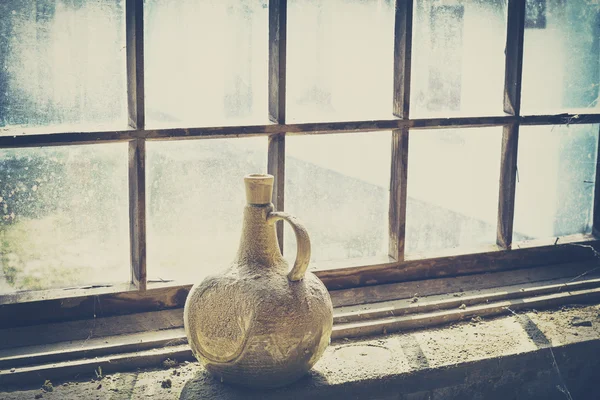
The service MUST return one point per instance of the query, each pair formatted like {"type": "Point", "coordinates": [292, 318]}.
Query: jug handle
{"type": "Point", "coordinates": [303, 244]}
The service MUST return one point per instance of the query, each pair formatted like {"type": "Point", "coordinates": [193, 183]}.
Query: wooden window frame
{"type": "Point", "coordinates": [24, 308]}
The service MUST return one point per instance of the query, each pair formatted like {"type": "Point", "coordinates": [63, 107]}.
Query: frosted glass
{"type": "Point", "coordinates": [561, 60]}
{"type": "Point", "coordinates": [206, 62]}
{"type": "Point", "coordinates": [338, 185]}
{"type": "Point", "coordinates": [556, 175]}
{"type": "Point", "coordinates": [196, 200]}
{"type": "Point", "coordinates": [452, 189]}
{"type": "Point", "coordinates": [63, 217]}
{"type": "Point", "coordinates": [340, 59]}
{"type": "Point", "coordinates": [62, 64]}
{"type": "Point", "coordinates": [458, 57]}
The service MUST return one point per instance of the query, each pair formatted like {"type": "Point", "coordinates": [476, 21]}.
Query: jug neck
{"type": "Point", "coordinates": [259, 247]}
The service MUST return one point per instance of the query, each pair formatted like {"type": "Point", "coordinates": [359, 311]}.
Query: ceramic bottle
{"type": "Point", "coordinates": [260, 324]}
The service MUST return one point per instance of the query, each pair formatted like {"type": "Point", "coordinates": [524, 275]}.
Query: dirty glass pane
{"type": "Point", "coordinates": [458, 57]}
{"type": "Point", "coordinates": [195, 203]}
{"type": "Point", "coordinates": [452, 189]}
{"type": "Point", "coordinates": [340, 59]}
{"type": "Point", "coordinates": [561, 60]}
{"type": "Point", "coordinates": [555, 185]}
{"type": "Point", "coordinates": [63, 217]}
{"type": "Point", "coordinates": [338, 185]}
{"type": "Point", "coordinates": [62, 64]}
{"type": "Point", "coordinates": [206, 62]}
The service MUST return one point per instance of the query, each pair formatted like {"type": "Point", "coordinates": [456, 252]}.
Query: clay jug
{"type": "Point", "coordinates": [260, 324]}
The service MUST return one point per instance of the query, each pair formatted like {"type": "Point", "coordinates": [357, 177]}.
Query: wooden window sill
{"type": "Point", "coordinates": [355, 282]}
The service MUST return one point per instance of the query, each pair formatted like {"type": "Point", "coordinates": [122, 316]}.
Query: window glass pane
{"type": "Point", "coordinates": [63, 217]}
{"type": "Point", "coordinates": [196, 200]}
{"type": "Point", "coordinates": [338, 185]}
{"type": "Point", "coordinates": [561, 60]}
{"type": "Point", "coordinates": [62, 62]}
{"type": "Point", "coordinates": [555, 185]}
{"type": "Point", "coordinates": [206, 62]}
{"type": "Point", "coordinates": [452, 189]}
{"type": "Point", "coordinates": [340, 59]}
{"type": "Point", "coordinates": [458, 57]}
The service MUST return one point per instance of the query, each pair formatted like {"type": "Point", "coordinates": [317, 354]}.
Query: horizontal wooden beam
{"type": "Point", "coordinates": [13, 341]}
{"type": "Point", "coordinates": [85, 367]}
{"type": "Point", "coordinates": [501, 260]}
{"type": "Point", "coordinates": [460, 122]}
{"type": "Point", "coordinates": [23, 309]}
{"type": "Point", "coordinates": [91, 348]}
{"type": "Point", "coordinates": [11, 138]}
{"type": "Point", "coordinates": [356, 297]}
{"type": "Point", "coordinates": [560, 119]}
{"type": "Point", "coordinates": [420, 305]}
{"type": "Point", "coordinates": [420, 321]}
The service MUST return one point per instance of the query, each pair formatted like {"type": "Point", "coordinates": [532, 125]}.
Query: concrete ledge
{"type": "Point", "coordinates": [505, 358]}
{"type": "Point", "coordinates": [520, 376]}
{"type": "Point", "coordinates": [534, 355]}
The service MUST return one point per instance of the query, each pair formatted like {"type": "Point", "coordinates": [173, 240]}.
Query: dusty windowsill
{"type": "Point", "coordinates": [457, 356]}
{"type": "Point", "coordinates": [506, 357]}
{"type": "Point", "coordinates": [142, 340]}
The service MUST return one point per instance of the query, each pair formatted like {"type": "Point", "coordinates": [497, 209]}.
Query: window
{"type": "Point", "coordinates": [394, 129]}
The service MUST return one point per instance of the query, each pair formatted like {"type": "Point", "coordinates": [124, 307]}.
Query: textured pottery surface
{"type": "Point", "coordinates": [260, 324]}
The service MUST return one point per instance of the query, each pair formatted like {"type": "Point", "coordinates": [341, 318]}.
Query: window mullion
{"type": "Point", "coordinates": [508, 182]}
{"type": "Point", "coordinates": [510, 136]}
{"type": "Point", "coordinates": [137, 148]}
{"type": "Point", "coordinates": [514, 57]}
{"type": "Point", "coordinates": [398, 185]}
{"type": "Point", "coordinates": [277, 86]}
{"type": "Point", "coordinates": [596, 215]}
{"type": "Point", "coordinates": [398, 176]}
{"type": "Point", "coordinates": [135, 62]}
{"type": "Point", "coordinates": [137, 211]}
{"type": "Point", "coordinates": [402, 57]}
{"type": "Point", "coordinates": [277, 59]}
{"type": "Point", "coordinates": [276, 167]}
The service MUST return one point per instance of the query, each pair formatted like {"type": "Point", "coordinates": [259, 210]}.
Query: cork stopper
{"type": "Point", "coordinates": [259, 188]}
